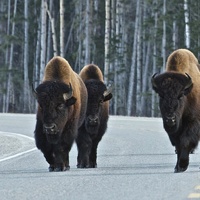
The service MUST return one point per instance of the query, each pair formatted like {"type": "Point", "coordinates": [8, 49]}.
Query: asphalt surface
{"type": "Point", "coordinates": [135, 162]}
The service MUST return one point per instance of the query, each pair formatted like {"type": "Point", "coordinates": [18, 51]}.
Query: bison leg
{"type": "Point", "coordinates": [61, 152]}
{"type": "Point", "coordinates": [84, 144]}
{"type": "Point", "coordinates": [67, 160]}
{"type": "Point", "coordinates": [61, 159]}
{"type": "Point", "coordinates": [48, 154]}
{"type": "Point", "coordinates": [182, 160]}
{"type": "Point", "coordinates": [83, 156]}
{"type": "Point", "coordinates": [43, 145]}
{"type": "Point", "coordinates": [186, 146]}
{"type": "Point", "coordinates": [93, 155]}
{"type": "Point", "coordinates": [57, 161]}
{"type": "Point", "coordinates": [49, 158]}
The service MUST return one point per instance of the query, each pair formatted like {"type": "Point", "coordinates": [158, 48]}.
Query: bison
{"type": "Point", "coordinates": [179, 101]}
{"type": "Point", "coordinates": [62, 101]}
{"type": "Point", "coordinates": [95, 124]}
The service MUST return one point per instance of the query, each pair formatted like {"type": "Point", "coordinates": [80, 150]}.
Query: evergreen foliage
{"type": "Point", "coordinates": [132, 48]}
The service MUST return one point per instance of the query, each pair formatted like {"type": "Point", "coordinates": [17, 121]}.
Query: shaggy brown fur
{"type": "Point", "coordinates": [91, 71]}
{"type": "Point", "coordinates": [179, 91]}
{"type": "Point", "coordinates": [184, 61]}
{"type": "Point", "coordinates": [62, 99]}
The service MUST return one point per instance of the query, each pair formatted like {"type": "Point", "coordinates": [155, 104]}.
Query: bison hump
{"type": "Point", "coordinates": [91, 71]}
{"type": "Point", "coordinates": [58, 69]}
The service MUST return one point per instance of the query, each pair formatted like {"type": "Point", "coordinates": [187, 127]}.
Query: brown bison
{"type": "Point", "coordinates": [62, 101]}
{"type": "Point", "coordinates": [95, 124]}
{"type": "Point", "coordinates": [179, 101]}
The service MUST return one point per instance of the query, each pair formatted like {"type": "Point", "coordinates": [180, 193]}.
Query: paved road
{"type": "Point", "coordinates": [135, 162]}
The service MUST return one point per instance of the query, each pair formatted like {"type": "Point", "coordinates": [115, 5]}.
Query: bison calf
{"type": "Point", "coordinates": [179, 101]}
{"type": "Point", "coordinates": [62, 101]}
{"type": "Point", "coordinates": [95, 124]}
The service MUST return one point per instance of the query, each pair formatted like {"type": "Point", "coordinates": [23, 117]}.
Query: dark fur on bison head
{"type": "Point", "coordinates": [98, 94]}
{"type": "Point", "coordinates": [55, 99]}
{"type": "Point", "coordinates": [172, 89]}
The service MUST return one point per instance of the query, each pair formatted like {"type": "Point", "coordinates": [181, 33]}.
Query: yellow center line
{"type": "Point", "coordinates": [195, 195]}
{"type": "Point", "coordinates": [197, 187]}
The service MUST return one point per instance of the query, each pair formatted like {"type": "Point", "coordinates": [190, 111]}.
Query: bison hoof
{"type": "Point", "coordinates": [58, 169]}
{"type": "Point", "coordinates": [179, 169]}
{"type": "Point", "coordinates": [51, 169]}
{"type": "Point", "coordinates": [87, 166]}
{"type": "Point", "coordinates": [93, 165]}
{"type": "Point", "coordinates": [61, 169]}
{"type": "Point", "coordinates": [82, 166]}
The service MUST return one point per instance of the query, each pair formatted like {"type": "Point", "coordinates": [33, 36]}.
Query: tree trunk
{"type": "Point", "coordinates": [87, 33]}
{"type": "Point", "coordinates": [133, 59]}
{"type": "Point", "coordinates": [153, 96]}
{"type": "Point", "coordinates": [27, 103]}
{"type": "Point", "coordinates": [53, 31]}
{"type": "Point", "coordinates": [10, 104]}
{"type": "Point", "coordinates": [139, 68]}
{"type": "Point", "coordinates": [120, 60]}
{"type": "Point", "coordinates": [164, 35]}
{"type": "Point", "coordinates": [107, 41]}
{"type": "Point", "coordinates": [69, 37]}
{"type": "Point", "coordinates": [145, 80]}
{"type": "Point", "coordinates": [43, 39]}
{"type": "Point", "coordinates": [174, 36]}
{"type": "Point", "coordinates": [36, 75]}
{"type": "Point", "coordinates": [79, 60]}
{"type": "Point", "coordinates": [5, 99]}
{"type": "Point", "coordinates": [62, 29]}
{"type": "Point", "coordinates": [187, 27]}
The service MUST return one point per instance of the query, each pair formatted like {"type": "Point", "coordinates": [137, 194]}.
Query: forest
{"type": "Point", "coordinates": [128, 39]}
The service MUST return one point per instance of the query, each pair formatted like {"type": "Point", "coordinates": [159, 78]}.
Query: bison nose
{"type": "Point", "coordinates": [50, 128]}
{"type": "Point", "coordinates": [92, 120]}
{"type": "Point", "coordinates": [170, 120]}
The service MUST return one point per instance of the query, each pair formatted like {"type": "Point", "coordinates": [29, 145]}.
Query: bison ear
{"type": "Point", "coordinates": [70, 101]}
{"type": "Point", "coordinates": [189, 85]}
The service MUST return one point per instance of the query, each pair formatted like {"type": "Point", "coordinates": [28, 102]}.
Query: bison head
{"type": "Point", "coordinates": [55, 101]}
{"type": "Point", "coordinates": [98, 94]}
{"type": "Point", "coordinates": [172, 89]}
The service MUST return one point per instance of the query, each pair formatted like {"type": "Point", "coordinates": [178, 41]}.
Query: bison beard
{"type": "Point", "coordinates": [179, 104]}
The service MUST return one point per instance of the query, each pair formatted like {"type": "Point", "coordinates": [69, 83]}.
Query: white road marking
{"type": "Point", "coordinates": [21, 153]}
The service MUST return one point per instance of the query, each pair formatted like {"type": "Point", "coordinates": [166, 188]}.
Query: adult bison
{"type": "Point", "coordinates": [62, 101]}
{"type": "Point", "coordinates": [179, 92]}
{"type": "Point", "coordinates": [95, 124]}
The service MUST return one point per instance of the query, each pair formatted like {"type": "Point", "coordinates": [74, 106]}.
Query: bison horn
{"type": "Point", "coordinates": [153, 80]}
{"type": "Point", "coordinates": [108, 91]}
{"type": "Point", "coordinates": [189, 83]}
{"type": "Point", "coordinates": [34, 90]}
{"type": "Point", "coordinates": [69, 94]}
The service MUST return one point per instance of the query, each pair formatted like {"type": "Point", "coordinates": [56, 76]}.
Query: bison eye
{"type": "Point", "coordinates": [61, 106]}
{"type": "Point", "coordinates": [101, 101]}
{"type": "Point", "coordinates": [180, 96]}
{"type": "Point", "coordinates": [40, 107]}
